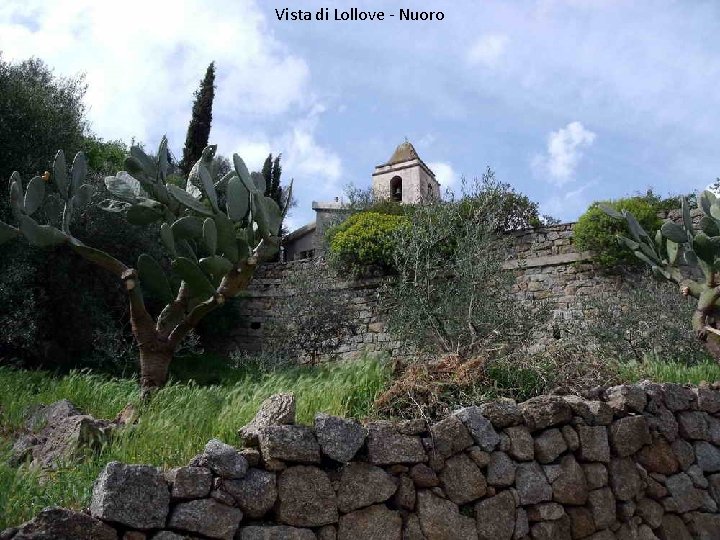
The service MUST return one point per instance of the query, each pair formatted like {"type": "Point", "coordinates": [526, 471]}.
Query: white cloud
{"type": "Point", "coordinates": [444, 173]}
{"type": "Point", "coordinates": [425, 141]}
{"type": "Point", "coordinates": [487, 50]}
{"type": "Point", "coordinates": [144, 61]}
{"type": "Point", "coordinates": [315, 169]}
{"type": "Point", "coordinates": [564, 150]}
{"type": "Point", "coordinates": [568, 205]}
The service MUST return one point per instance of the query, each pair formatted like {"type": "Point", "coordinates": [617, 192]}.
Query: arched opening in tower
{"type": "Point", "coordinates": [396, 189]}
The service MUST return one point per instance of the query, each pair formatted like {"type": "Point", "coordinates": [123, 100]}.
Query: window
{"type": "Point", "coordinates": [396, 189]}
{"type": "Point", "coordinates": [308, 254]}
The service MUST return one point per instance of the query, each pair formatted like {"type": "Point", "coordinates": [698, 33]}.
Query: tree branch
{"type": "Point", "coordinates": [143, 325]}
{"type": "Point", "coordinates": [192, 319]}
{"type": "Point", "coordinates": [173, 313]}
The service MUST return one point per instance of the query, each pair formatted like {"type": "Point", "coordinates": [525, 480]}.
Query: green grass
{"type": "Point", "coordinates": [209, 397]}
{"type": "Point", "coordinates": [174, 427]}
{"type": "Point", "coordinates": [670, 371]}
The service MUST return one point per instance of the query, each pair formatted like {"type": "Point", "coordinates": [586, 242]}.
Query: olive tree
{"type": "Point", "coordinates": [452, 294]}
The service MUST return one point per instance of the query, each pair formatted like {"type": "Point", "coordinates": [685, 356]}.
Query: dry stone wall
{"type": "Point", "coordinates": [631, 462]}
{"type": "Point", "coordinates": [269, 287]}
{"type": "Point", "coordinates": [545, 262]}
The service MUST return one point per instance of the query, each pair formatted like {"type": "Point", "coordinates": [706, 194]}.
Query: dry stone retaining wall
{"type": "Point", "coordinates": [632, 462]}
{"type": "Point", "coordinates": [546, 264]}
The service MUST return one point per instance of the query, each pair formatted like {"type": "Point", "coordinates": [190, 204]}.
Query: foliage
{"type": "Point", "coordinates": [198, 132]}
{"type": "Point", "coordinates": [39, 113]}
{"type": "Point", "coordinates": [670, 371]}
{"type": "Point", "coordinates": [596, 231]}
{"type": "Point", "coordinates": [220, 166]}
{"type": "Point", "coordinates": [104, 157]}
{"type": "Point", "coordinates": [47, 323]}
{"type": "Point", "coordinates": [645, 318]}
{"type": "Point", "coordinates": [175, 425]}
{"type": "Point", "coordinates": [436, 388]}
{"type": "Point", "coordinates": [231, 240]}
{"type": "Point", "coordinates": [514, 211]}
{"type": "Point", "coordinates": [20, 297]}
{"type": "Point", "coordinates": [678, 244]}
{"type": "Point", "coordinates": [364, 240]}
{"type": "Point", "coordinates": [452, 295]}
{"type": "Point", "coordinates": [364, 200]}
{"type": "Point", "coordinates": [314, 319]}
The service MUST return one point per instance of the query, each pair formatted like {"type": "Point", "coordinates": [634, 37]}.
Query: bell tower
{"type": "Point", "coordinates": [405, 178]}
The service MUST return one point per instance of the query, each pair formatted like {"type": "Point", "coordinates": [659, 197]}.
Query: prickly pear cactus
{"type": "Point", "coordinates": [679, 244]}
{"type": "Point", "coordinates": [212, 251]}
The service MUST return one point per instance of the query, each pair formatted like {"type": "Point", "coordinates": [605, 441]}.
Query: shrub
{"type": "Point", "coordinates": [436, 388]}
{"type": "Point", "coordinates": [596, 231]}
{"type": "Point", "coordinates": [644, 319]}
{"type": "Point", "coordinates": [513, 210]}
{"type": "Point", "coordinates": [452, 294]}
{"type": "Point", "coordinates": [364, 240]}
{"type": "Point", "coordinates": [314, 319]}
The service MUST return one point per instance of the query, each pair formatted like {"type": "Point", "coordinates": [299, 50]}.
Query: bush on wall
{"type": "Point", "coordinates": [364, 240]}
{"type": "Point", "coordinates": [596, 231]}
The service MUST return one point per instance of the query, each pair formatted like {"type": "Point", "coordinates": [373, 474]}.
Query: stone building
{"type": "Point", "coordinates": [404, 178]}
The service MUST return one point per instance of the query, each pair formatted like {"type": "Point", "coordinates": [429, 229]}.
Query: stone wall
{"type": "Point", "coordinates": [629, 462]}
{"type": "Point", "coordinates": [546, 264]}
{"type": "Point", "coordinates": [269, 286]}
{"type": "Point", "coordinates": [548, 267]}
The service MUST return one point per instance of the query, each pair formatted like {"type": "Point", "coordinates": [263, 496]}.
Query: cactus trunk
{"type": "Point", "coordinates": [154, 367]}
{"type": "Point", "coordinates": [712, 345]}
{"type": "Point", "coordinates": [156, 353]}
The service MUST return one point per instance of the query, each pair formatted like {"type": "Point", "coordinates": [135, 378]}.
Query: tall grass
{"type": "Point", "coordinates": [670, 371]}
{"type": "Point", "coordinates": [173, 427]}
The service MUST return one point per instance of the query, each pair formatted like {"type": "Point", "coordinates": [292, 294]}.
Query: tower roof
{"type": "Point", "coordinates": [404, 152]}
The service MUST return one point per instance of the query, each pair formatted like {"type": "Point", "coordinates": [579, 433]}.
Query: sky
{"type": "Point", "coordinates": [569, 101]}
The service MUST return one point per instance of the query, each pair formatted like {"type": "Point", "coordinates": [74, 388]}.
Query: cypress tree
{"type": "Point", "coordinates": [271, 171]}
{"type": "Point", "coordinates": [267, 174]}
{"type": "Point", "coordinates": [276, 192]}
{"type": "Point", "coordinates": [198, 132]}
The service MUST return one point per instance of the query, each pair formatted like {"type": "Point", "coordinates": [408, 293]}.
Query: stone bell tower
{"type": "Point", "coordinates": [405, 178]}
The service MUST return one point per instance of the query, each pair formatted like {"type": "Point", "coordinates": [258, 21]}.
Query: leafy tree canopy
{"type": "Point", "coordinates": [39, 113]}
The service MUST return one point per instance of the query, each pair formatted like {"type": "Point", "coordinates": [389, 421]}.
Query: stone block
{"type": "Point", "coordinates": [549, 445]}
{"type": "Point", "coordinates": [496, 517]}
{"type": "Point", "coordinates": [362, 485]}
{"type": "Point", "coordinates": [190, 482]}
{"type": "Point", "coordinates": [339, 438]}
{"type": "Point", "coordinates": [462, 480]}
{"type": "Point", "coordinates": [376, 522]}
{"type": "Point", "coordinates": [306, 498]}
{"type": "Point", "coordinates": [594, 444]}
{"type": "Point", "coordinates": [136, 496]}
{"type": "Point", "coordinates": [289, 443]}
{"type": "Point", "coordinates": [207, 517]}
{"type": "Point", "coordinates": [386, 446]}
{"type": "Point", "coordinates": [480, 428]}
{"type": "Point", "coordinates": [255, 494]}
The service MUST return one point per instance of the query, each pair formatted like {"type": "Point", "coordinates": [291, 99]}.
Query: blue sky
{"type": "Point", "coordinates": [568, 100]}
